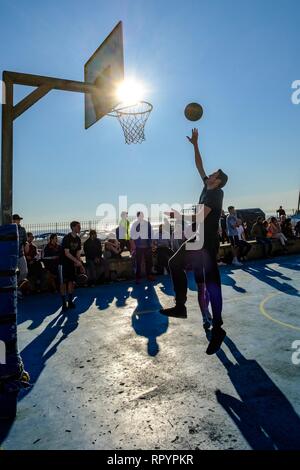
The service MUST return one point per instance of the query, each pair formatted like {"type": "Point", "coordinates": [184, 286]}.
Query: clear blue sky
{"type": "Point", "coordinates": [236, 57]}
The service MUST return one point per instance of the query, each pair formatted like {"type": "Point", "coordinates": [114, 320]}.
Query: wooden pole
{"type": "Point", "coordinates": [11, 112]}
{"type": "Point", "coordinates": [7, 151]}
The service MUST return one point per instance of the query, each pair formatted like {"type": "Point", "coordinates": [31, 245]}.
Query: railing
{"type": "Point", "coordinates": [64, 227]}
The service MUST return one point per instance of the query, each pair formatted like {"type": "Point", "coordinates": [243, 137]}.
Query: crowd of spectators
{"type": "Point", "coordinates": [39, 269]}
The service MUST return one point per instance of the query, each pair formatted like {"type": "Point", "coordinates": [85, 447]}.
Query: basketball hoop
{"type": "Point", "coordinates": [133, 119]}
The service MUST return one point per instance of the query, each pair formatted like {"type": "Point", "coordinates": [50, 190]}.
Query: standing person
{"type": "Point", "coordinates": [96, 264]}
{"type": "Point", "coordinates": [280, 211]}
{"type": "Point", "coordinates": [231, 223]}
{"type": "Point", "coordinates": [70, 263]}
{"type": "Point", "coordinates": [259, 232]}
{"type": "Point", "coordinates": [163, 247]}
{"type": "Point", "coordinates": [223, 226]}
{"type": "Point", "coordinates": [203, 261]}
{"type": "Point", "coordinates": [123, 232]}
{"type": "Point", "coordinates": [141, 235]}
{"type": "Point", "coordinates": [244, 246]}
{"type": "Point", "coordinates": [22, 263]}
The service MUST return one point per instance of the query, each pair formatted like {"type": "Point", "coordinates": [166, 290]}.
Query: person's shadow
{"type": "Point", "coordinates": [34, 355]}
{"type": "Point", "coordinates": [146, 319]}
{"type": "Point", "coordinates": [36, 308]}
{"type": "Point", "coordinates": [263, 414]}
{"type": "Point", "coordinates": [105, 295]}
{"type": "Point", "coordinates": [289, 263]}
{"type": "Point", "coordinates": [267, 275]}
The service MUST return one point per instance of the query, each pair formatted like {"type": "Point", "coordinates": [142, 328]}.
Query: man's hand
{"type": "Point", "coordinates": [194, 138]}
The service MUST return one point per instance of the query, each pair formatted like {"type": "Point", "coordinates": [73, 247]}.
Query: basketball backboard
{"type": "Point", "coordinates": [105, 69]}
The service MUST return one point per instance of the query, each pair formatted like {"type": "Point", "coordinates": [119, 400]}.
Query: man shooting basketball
{"type": "Point", "coordinates": [203, 261]}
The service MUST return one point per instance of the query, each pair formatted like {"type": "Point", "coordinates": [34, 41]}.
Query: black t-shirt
{"type": "Point", "coordinates": [71, 243]}
{"type": "Point", "coordinates": [212, 198]}
{"type": "Point", "coordinates": [92, 248]}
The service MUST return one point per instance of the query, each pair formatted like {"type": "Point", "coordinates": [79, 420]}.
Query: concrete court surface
{"type": "Point", "coordinates": [116, 374]}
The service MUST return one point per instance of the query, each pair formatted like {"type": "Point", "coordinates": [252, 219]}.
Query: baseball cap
{"type": "Point", "coordinates": [223, 177]}
{"type": "Point", "coordinates": [16, 217]}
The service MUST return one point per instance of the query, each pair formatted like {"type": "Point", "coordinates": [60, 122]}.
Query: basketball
{"type": "Point", "coordinates": [193, 111]}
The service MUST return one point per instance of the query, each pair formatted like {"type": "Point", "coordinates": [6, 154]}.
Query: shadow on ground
{"type": "Point", "coordinates": [146, 319]}
{"type": "Point", "coordinates": [263, 414]}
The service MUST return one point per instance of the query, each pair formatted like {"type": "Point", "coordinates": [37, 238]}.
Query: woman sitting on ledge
{"type": "Point", "coordinates": [275, 231]}
{"type": "Point", "coordinates": [112, 247]}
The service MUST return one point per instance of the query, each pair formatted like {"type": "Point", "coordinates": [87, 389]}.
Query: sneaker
{"type": "Point", "coordinates": [179, 311]}
{"type": "Point", "coordinates": [151, 278]}
{"type": "Point", "coordinates": [206, 325]}
{"type": "Point", "coordinates": [71, 305]}
{"type": "Point", "coordinates": [217, 336]}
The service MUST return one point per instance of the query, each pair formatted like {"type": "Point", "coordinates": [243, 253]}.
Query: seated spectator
{"type": "Point", "coordinates": [95, 263]}
{"type": "Point", "coordinates": [123, 232]}
{"type": "Point", "coordinates": [275, 230]}
{"type": "Point", "coordinates": [163, 248]}
{"type": "Point", "coordinates": [266, 224]}
{"type": "Point", "coordinates": [259, 232]}
{"type": "Point", "coordinates": [287, 228]}
{"type": "Point", "coordinates": [297, 229]}
{"type": "Point", "coordinates": [51, 260]}
{"type": "Point", "coordinates": [244, 246]}
{"type": "Point", "coordinates": [112, 247]}
{"type": "Point", "coordinates": [35, 267]}
{"type": "Point", "coordinates": [246, 230]}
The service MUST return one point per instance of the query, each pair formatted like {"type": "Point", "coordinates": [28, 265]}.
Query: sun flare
{"type": "Point", "coordinates": [130, 92]}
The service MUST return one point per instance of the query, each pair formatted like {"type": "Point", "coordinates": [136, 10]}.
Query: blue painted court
{"type": "Point", "coordinates": [115, 374]}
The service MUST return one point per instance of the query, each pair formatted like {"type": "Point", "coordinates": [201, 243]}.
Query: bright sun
{"type": "Point", "coordinates": [130, 92]}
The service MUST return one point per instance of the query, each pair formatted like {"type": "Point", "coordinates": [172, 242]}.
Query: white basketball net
{"type": "Point", "coordinates": [133, 119]}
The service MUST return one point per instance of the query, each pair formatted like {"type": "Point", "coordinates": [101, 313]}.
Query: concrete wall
{"type": "Point", "coordinates": [256, 251]}
{"type": "Point", "coordinates": [123, 268]}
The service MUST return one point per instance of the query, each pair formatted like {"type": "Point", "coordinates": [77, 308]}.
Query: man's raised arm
{"type": "Point", "coordinates": [198, 159]}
